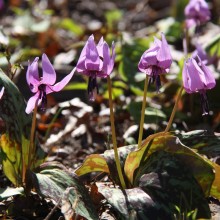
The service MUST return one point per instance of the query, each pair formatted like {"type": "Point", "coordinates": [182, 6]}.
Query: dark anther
{"type": "Point", "coordinates": [92, 88]}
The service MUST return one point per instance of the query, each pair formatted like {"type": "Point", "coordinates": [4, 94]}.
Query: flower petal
{"type": "Point", "coordinates": [2, 92]}
{"type": "Point", "coordinates": [80, 66]}
{"type": "Point", "coordinates": [32, 75]}
{"type": "Point", "coordinates": [163, 55]}
{"type": "Point", "coordinates": [100, 47]}
{"type": "Point", "coordinates": [193, 76]}
{"type": "Point", "coordinates": [108, 61]}
{"type": "Point", "coordinates": [209, 78]}
{"type": "Point", "coordinates": [60, 85]}
{"type": "Point", "coordinates": [31, 103]}
{"type": "Point", "coordinates": [49, 74]}
{"type": "Point", "coordinates": [149, 58]}
{"type": "Point", "coordinates": [92, 61]}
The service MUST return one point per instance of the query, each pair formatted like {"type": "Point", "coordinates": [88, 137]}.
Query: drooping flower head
{"type": "Point", "coordinates": [198, 78]}
{"type": "Point", "coordinates": [197, 12]}
{"type": "Point", "coordinates": [95, 61]}
{"type": "Point", "coordinates": [156, 60]}
{"type": "Point", "coordinates": [2, 92]}
{"type": "Point", "coordinates": [43, 84]}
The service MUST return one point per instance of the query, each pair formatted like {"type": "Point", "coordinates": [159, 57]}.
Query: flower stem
{"type": "Point", "coordinates": [117, 161]}
{"type": "Point", "coordinates": [143, 112]}
{"type": "Point", "coordinates": [174, 110]}
{"type": "Point", "coordinates": [31, 145]}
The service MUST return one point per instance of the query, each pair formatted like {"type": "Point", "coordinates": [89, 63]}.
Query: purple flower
{"type": "Point", "coordinates": [198, 78]}
{"type": "Point", "coordinates": [156, 60]}
{"type": "Point", "coordinates": [95, 61]}
{"type": "Point", "coordinates": [43, 84]}
{"type": "Point", "coordinates": [196, 12]}
{"type": "Point", "coordinates": [2, 92]}
{"type": "Point", "coordinates": [206, 59]}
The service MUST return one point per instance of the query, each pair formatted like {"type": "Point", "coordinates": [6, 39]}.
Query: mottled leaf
{"type": "Point", "coordinates": [93, 163]}
{"type": "Point", "coordinates": [15, 141]}
{"type": "Point", "coordinates": [110, 159]}
{"type": "Point", "coordinates": [200, 168]}
{"type": "Point", "coordinates": [169, 181]}
{"type": "Point", "coordinates": [133, 204]}
{"type": "Point", "coordinates": [8, 192]}
{"type": "Point", "coordinates": [215, 190]}
{"type": "Point", "coordinates": [54, 179]}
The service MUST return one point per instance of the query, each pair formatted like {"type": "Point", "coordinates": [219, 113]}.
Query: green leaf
{"type": "Point", "coordinates": [152, 114]}
{"type": "Point", "coordinates": [208, 145]}
{"type": "Point", "coordinates": [112, 17]}
{"type": "Point", "coordinates": [56, 182]}
{"type": "Point", "coordinates": [93, 163]}
{"type": "Point", "coordinates": [76, 86]}
{"type": "Point", "coordinates": [110, 159]}
{"type": "Point", "coordinates": [70, 25]}
{"type": "Point", "coordinates": [213, 46]}
{"type": "Point", "coordinates": [41, 26]}
{"type": "Point", "coordinates": [8, 192]}
{"type": "Point", "coordinates": [200, 168]}
{"type": "Point", "coordinates": [133, 204]}
{"type": "Point", "coordinates": [169, 181]}
{"type": "Point", "coordinates": [15, 141]}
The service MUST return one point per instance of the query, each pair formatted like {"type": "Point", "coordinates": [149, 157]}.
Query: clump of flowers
{"type": "Point", "coordinates": [198, 78]}
{"type": "Point", "coordinates": [197, 12]}
{"type": "Point", "coordinates": [156, 60]}
{"type": "Point", "coordinates": [43, 84]}
{"type": "Point", "coordinates": [95, 61]}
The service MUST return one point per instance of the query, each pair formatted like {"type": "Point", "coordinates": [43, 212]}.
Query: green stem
{"type": "Point", "coordinates": [32, 145]}
{"type": "Point", "coordinates": [174, 110]}
{"type": "Point", "coordinates": [117, 161]}
{"type": "Point", "coordinates": [143, 112]}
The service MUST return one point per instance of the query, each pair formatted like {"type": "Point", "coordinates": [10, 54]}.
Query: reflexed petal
{"type": "Point", "coordinates": [80, 66]}
{"type": "Point", "coordinates": [209, 78]}
{"type": "Point", "coordinates": [193, 77]}
{"type": "Point", "coordinates": [32, 75]}
{"type": "Point", "coordinates": [107, 61]}
{"type": "Point", "coordinates": [157, 42]}
{"type": "Point", "coordinates": [200, 53]}
{"type": "Point", "coordinates": [49, 74]}
{"type": "Point", "coordinates": [92, 61]}
{"type": "Point", "coordinates": [31, 103]}
{"type": "Point", "coordinates": [100, 47]}
{"type": "Point", "coordinates": [185, 76]}
{"type": "Point", "coordinates": [163, 55]}
{"type": "Point", "coordinates": [2, 92]}
{"type": "Point", "coordinates": [60, 85]}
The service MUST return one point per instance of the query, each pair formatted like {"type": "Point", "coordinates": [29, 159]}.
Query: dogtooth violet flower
{"type": "Point", "coordinates": [95, 61]}
{"type": "Point", "coordinates": [43, 84]}
{"type": "Point", "coordinates": [156, 60]}
{"type": "Point", "coordinates": [198, 78]}
{"type": "Point", "coordinates": [197, 12]}
{"type": "Point", "coordinates": [2, 92]}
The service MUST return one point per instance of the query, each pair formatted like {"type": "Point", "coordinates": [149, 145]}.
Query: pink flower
{"type": "Point", "coordinates": [95, 61]}
{"type": "Point", "coordinates": [156, 60]}
{"type": "Point", "coordinates": [44, 84]}
{"type": "Point", "coordinates": [2, 92]}
{"type": "Point", "coordinates": [206, 59]}
{"type": "Point", "coordinates": [196, 12]}
{"type": "Point", "coordinates": [198, 78]}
